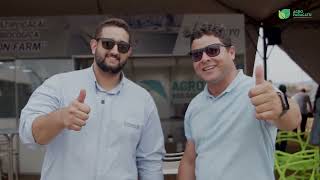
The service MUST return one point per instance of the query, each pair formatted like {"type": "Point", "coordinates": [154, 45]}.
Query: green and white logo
{"type": "Point", "coordinates": [284, 13]}
{"type": "Point", "coordinates": [300, 13]}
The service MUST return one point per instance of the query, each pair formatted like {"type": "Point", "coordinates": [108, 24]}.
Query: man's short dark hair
{"type": "Point", "coordinates": [205, 28]}
{"type": "Point", "coordinates": [117, 22]}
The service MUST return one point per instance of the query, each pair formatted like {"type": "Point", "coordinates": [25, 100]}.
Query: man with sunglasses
{"type": "Point", "coordinates": [95, 123]}
{"type": "Point", "coordinates": [231, 125]}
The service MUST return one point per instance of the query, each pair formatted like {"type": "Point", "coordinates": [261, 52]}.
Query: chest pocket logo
{"type": "Point", "coordinates": [132, 125]}
{"type": "Point", "coordinates": [132, 132]}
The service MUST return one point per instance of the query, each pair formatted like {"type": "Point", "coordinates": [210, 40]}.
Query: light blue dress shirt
{"type": "Point", "coordinates": [122, 139]}
{"type": "Point", "coordinates": [230, 142]}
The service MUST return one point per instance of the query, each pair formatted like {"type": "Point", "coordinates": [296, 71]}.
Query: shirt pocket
{"type": "Point", "coordinates": [131, 131]}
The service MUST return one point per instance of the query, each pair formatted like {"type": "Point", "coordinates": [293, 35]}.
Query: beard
{"type": "Point", "coordinates": [100, 60]}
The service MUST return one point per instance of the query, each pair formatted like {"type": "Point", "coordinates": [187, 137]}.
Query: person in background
{"type": "Point", "coordinates": [170, 144]}
{"type": "Point", "coordinates": [315, 131]}
{"type": "Point", "coordinates": [96, 123]}
{"type": "Point", "coordinates": [305, 106]}
{"type": "Point", "coordinates": [231, 125]}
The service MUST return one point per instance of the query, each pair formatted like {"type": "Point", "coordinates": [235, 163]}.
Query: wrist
{"type": "Point", "coordinates": [284, 104]}
{"type": "Point", "coordinates": [61, 114]}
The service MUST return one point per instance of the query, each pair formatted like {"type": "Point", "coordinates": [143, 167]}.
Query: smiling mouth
{"type": "Point", "coordinates": [113, 59]}
{"type": "Point", "coordinates": [207, 68]}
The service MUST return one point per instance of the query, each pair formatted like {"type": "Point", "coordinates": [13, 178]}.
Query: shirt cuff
{"type": "Point", "coordinates": [25, 132]}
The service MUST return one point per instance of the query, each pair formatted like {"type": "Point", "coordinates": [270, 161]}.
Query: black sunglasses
{"type": "Point", "coordinates": [108, 44]}
{"type": "Point", "coordinates": [212, 50]}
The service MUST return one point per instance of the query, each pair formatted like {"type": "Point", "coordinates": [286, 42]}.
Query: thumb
{"type": "Point", "coordinates": [259, 73]}
{"type": "Point", "coordinates": [82, 95]}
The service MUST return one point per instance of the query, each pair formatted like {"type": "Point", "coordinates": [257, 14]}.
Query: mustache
{"type": "Point", "coordinates": [116, 56]}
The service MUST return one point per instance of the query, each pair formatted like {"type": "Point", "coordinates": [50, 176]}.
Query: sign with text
{"type": "Point", "coordinates": [64, 36]}
{"type": "Point", "coordinates": [184, 90]}
{"type": "Point", "coordinates": [33, 36]}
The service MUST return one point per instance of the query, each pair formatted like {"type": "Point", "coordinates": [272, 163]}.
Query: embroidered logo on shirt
{"type": "Point", "coordinates": [128, 124]}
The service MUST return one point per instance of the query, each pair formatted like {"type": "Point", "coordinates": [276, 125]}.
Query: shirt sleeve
{"type": "Point", "coordinates": [43, 100]}
{"type": "Point", "coordinates": [150, 150]}
{"type": "Point", "coordinates": [187, 130]}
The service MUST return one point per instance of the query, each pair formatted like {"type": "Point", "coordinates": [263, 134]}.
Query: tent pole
{"type": "Point", "coordinates": [265, 49]}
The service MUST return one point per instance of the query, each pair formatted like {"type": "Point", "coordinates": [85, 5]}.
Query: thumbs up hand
{"type": "Point", "coordinates": [75, 115]}
{"type": "Point", "coordinates": [82, 96]}
{"type": "Point", "coordinates": [259, 74]}
{"type": "Point", "coordinates": [264, 97]}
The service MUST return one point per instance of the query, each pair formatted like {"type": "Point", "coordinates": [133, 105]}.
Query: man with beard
{"type": "Point", "coordinates": [95, 123]}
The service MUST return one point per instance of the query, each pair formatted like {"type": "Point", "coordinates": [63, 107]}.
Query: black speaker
{"type": "Point", "coordinates": [273, 34]}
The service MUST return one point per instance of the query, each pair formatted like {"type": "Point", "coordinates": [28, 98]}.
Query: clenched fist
{"type": "Point", "coordinates": [75, 115]}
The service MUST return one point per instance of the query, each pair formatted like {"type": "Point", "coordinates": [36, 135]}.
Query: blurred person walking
{"type": "Point", "coordinates": [315, 131]}
{"type": "Point", "coordinates": [304, 102]}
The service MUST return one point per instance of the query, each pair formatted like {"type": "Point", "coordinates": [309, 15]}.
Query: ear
{"type": "Point", "coordinates": [130, 52]}
{"type": "Point", "coordinates": [232, 52]}
{"type": "Point", "coordinates": [93, 45]}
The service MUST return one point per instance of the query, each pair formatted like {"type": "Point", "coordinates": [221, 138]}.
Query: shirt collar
{"type": "Point", "coordinates": [115, 90]}
{"type": "Point", "coordinates": [230, 87]}
{"type": "Point", "coordinates": [91, 73]}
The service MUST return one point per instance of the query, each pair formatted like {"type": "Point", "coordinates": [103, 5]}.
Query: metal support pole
{"type": "Point", "coordinates": [265, 50]}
